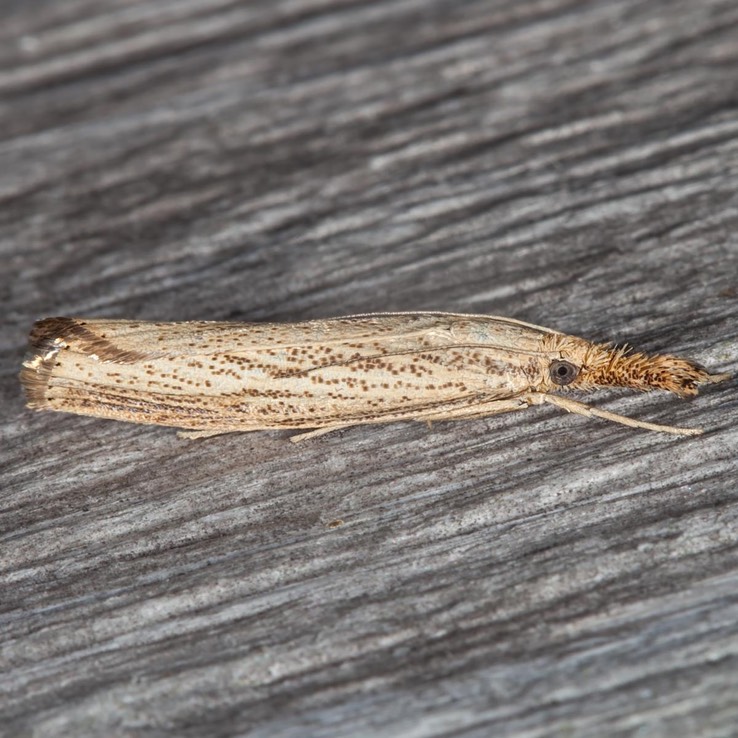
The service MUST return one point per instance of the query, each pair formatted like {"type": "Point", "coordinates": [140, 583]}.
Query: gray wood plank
{"type": "Point", "coordinates": [570, 164]}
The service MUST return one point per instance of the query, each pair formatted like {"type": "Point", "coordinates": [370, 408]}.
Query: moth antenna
{"type": "Point", "coordinates": [581, 408]}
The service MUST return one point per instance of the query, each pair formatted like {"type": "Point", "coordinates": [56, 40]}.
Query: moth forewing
{"type": "Point", "coordinates": [220, 377]}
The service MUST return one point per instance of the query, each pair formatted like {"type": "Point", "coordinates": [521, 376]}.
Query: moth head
{"type": "Point", "coordinates": [565, 367]}
{"type": "Point", "coordinates": [592, 366]}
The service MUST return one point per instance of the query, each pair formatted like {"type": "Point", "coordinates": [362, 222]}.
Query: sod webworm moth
{"type": "Point", "coordinates": [212, 378]}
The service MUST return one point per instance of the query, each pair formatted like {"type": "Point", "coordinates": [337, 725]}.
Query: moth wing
{"type": "Point", "coordinates": [124, 341]}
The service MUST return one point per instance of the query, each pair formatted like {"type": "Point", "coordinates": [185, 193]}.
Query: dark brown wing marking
{"type": "Point", "coordinates": [54, 333]}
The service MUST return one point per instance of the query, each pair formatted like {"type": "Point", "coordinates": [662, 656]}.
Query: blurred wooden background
{"type": "Point", "coordinates": [573, 164]}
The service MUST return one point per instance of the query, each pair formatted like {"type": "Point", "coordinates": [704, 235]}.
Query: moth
{"type": "Point", "coordinates": [211, 377]}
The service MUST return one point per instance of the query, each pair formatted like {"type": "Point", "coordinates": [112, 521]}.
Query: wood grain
{"type": "Point", "coordinates": [569, 164]}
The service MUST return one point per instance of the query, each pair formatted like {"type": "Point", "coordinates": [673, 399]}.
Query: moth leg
{"type": "Point", "coordinates": [315, 433]}
{"type": "Point", "coordinates": [580, 408]}
{"type": "Point", "coordinates": [478, 410]}
{"type": "Point", "coordinates": [189, 435]}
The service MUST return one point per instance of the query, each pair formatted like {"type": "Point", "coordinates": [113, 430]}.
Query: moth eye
{"type": "Point", "coordinates": [563, 372]}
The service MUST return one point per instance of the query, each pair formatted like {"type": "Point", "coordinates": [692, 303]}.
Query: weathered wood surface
{"type": "Point", "coordinates": [570, 164]}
